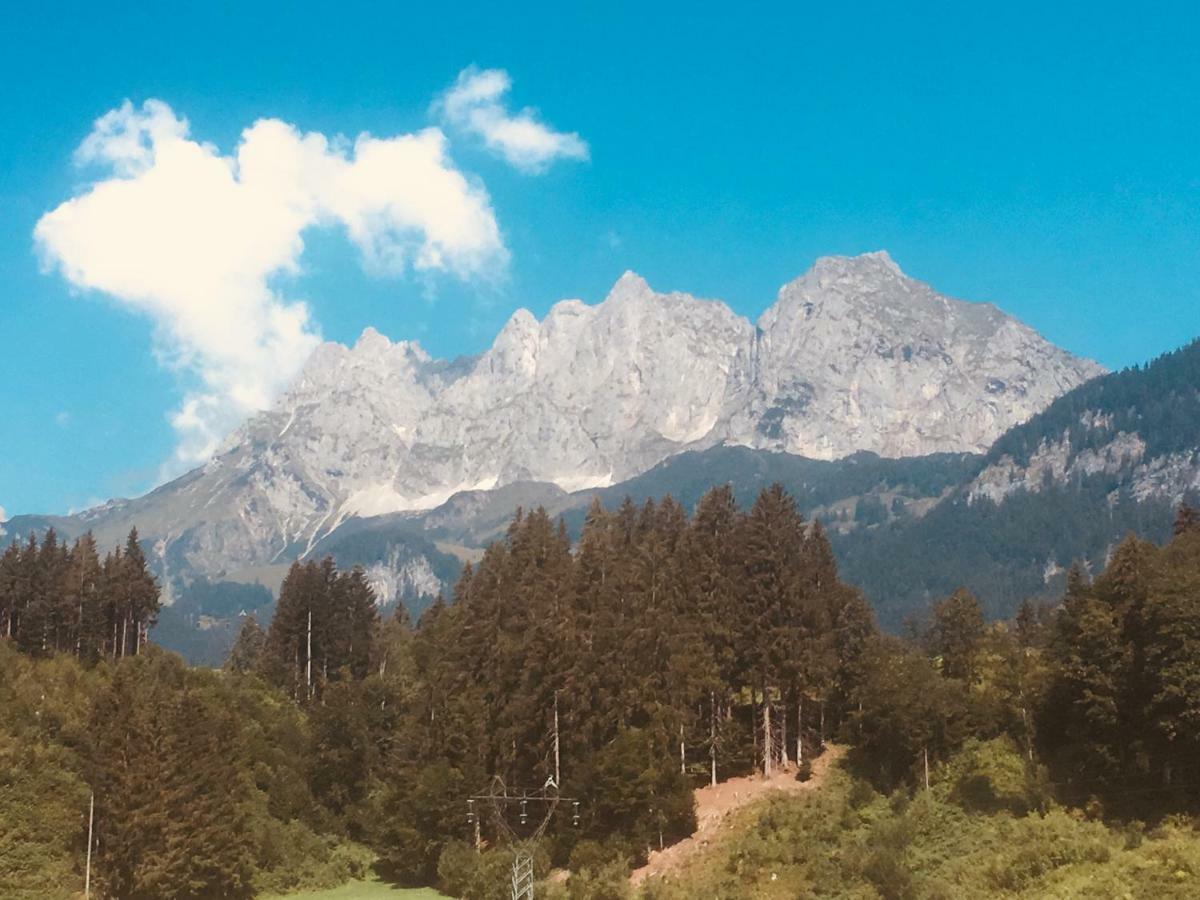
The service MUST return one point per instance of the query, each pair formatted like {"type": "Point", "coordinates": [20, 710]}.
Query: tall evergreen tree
{"type": "Point", "coordinates": [246, 654]}
{"type": "Point", "coordinates": [956, 632]}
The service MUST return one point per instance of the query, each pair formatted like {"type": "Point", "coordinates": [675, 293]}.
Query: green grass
{"type": "Point", "coordinates": [371, 889]}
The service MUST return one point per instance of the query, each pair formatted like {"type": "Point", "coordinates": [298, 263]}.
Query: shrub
{"type": "Point", "coordinates": [991, 776]}
{"type": "Point", "coordinates": [608, 882]}
{"type": "Point", "coordinates": [886, 869]}
{"type": "Point", "coordinates": [1038, 845]}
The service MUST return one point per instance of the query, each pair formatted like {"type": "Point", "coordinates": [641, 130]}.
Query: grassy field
{"type": "Point", "coordinates": [372, 889]}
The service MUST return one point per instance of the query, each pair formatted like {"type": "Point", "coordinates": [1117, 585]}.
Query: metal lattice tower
{"type": "Point", "coordinates": [498, 800]}
{"type": "Point", "coordinates": [522, 876]}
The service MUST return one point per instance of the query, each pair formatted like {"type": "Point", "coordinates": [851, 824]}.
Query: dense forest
{"type": "Point", "coordinates": [657, 653]}
{"type": "Point", "coordinates": [59, 599]}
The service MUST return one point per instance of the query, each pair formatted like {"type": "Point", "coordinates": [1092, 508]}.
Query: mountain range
{"type": "Point", "coordinates": [886, 408]}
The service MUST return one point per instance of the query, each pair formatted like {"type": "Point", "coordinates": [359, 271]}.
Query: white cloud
{"type": "Point", "coordinates": [3, 517]}
{"type": "Point", "coordinates": [191, 237]}
{"type": "Point", "coordinates": [476, 103]}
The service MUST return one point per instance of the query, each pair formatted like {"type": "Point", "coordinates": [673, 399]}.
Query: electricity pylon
{"type": "Point", "coordinates": [505, 804]}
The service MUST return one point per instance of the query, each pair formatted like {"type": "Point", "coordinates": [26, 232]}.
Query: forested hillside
{"type": "Point", "coordinates": [666, 650]}
{"type": "Point", "coordinates": [1051, 756]}
{"type": "Point", "coordinates": [1159, 401]}
{"type": "Point", "coordinates": [1115, 455]}
{"type": "Point", "coordinates": [663, 652]}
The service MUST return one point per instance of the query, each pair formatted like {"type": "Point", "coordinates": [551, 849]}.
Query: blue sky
{"type": "Point", "coordinates": [1039, 156]}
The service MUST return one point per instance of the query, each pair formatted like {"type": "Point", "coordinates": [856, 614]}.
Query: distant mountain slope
{"type": "Point", "coordinates": [1115, 455]}
{"type": "Point", "coordinates": [845, 492]}
{"type": "Point", "coordinates": [1143, 423]}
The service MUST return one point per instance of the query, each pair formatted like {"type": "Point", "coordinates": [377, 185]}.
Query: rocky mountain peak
{"type": "Point", "coordinates": [371, 341]}
{"type": "Point", "coordinates": [877, 265]}
{"type": "Point", "coordinates": [852, 356]}
{"type": "Point", "coordinates": [515, 348]}
{"type": "Point", "coordinates": [630, 286]}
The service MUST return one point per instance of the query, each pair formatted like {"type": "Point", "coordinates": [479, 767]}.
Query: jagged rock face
{"type": "Point", "coordinates": [852, 356]}
{"type": "Point", "coordinates": [396, 578]}
{"type": "Point", "coordinates": [1170, 476]}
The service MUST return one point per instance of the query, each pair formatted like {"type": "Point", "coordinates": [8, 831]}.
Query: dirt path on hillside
{"type": "Point", "coordinates": [714, 804]}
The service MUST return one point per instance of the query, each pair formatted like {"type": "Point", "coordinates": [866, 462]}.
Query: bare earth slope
{"type": "Point", "coordinates": [715, 804]}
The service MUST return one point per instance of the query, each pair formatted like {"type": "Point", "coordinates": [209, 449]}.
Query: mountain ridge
{"type": "Point", "coordinates": [853, 356]}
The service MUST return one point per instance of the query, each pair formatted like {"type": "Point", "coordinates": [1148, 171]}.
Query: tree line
{"type": "Point", "coordinates": [60, 599]}
{"type": "Point", "coordinates": [1101, 691]}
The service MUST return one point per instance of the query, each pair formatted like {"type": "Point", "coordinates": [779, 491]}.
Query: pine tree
{"type": "Point", "coordinates": [1171, 657]}
{"type": "Point", "coordinates": [129, 731]}
{"type": "Point", "coordinates": [353, 623]}
{"type": "Point", "coordinates": [11, 596]}
{"type": "Point", "coordinates": [38, 610]}
{"type": "Point", "coordinates": [774, 539]}
{"type": "Point", "coordinates": [205, 849]}
{"type": "Point", "coordinates": [247, 651]}
{"type": "Point", "coordinates": [905, 712]}
{"type": "Point", "coordinates": [1082, 717]}
{"type": "Point", "coordinates": [137, 598]}
{"type": "Point", "coordinates": [167, 775]}
{"type": "Point", "coordinates": [955, 634]}
{"type": "Point", "coordinates": [81, 592]}
{"type": "Point", "coordinates": [293, 640]}
{"type": "Point", "coordinates": [708, 562]}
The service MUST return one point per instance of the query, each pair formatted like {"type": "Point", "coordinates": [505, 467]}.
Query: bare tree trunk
{"type": "Point", "coordinates": [799, 729]}
{"type": "Point", "coordinates": [557, 772]}
{"type": "Point", "coordinates": [87, 876]}
{"type": "Point", "coordinates": [1028, 736]}
{"type": "Point", "coordinates": [768, 750]}
{"type": "Point", "coordinates": [712, 735]}
{"type": "Point", "coordinates": [783, 751]}
{"type": "Point", "coordinates": [822, 725]}
{"type": "Point", "coordinates": [753, 724]}
{"type": "Point", "coordinates": [308, 658]}
{"type": "Point", "coordinates": [926, 755]}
